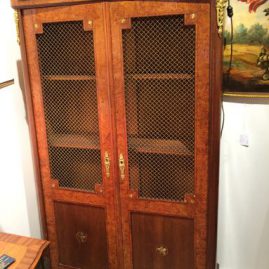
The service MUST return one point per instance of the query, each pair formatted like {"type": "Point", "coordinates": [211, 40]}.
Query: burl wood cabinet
{"type": "Point", "coordinates": [123, 104]}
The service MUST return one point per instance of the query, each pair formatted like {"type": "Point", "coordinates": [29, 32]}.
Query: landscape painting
{"type": "Point", "coordinates": [246, 60]}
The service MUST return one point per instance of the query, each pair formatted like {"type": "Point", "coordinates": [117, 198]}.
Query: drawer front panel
{"type": "Point", "coordinates": [162, 242]}
{"type": "Point", "coordinates": [82, 238]}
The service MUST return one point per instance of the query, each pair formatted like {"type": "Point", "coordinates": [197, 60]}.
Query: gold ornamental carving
{"type": "Point", "coordinates": [16, 19]}
{"type": "Point", "coordinates": [221, 7]}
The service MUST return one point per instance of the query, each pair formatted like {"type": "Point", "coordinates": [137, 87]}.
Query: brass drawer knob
{"type": "Point", "coordinates": [82, 237]}
{"type": "Point", "coordinates": [163, 251]}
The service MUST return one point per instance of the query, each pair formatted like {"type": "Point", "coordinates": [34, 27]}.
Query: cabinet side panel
{"type": "Point", "coordinates": [214, 140]}
{"type": "Point", "coordinates": [31, 123]}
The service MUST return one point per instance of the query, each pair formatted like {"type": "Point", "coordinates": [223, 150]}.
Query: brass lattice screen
{"type": "Point", "coordinates": [66, 57]}
{"type": "Point", "coordinates": [159, 68]}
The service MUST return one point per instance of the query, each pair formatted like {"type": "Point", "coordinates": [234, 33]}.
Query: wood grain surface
{"type": "Point", "coordinates": [27, 251]}
{"type": "Point", "coordinates": [129, 200]}
{"type": "Point", "coordinates": [115, 201]}
{"type": "Point", "coordinates": [45, 3]}
{"type": "Point", "coordinates": [33, 20]}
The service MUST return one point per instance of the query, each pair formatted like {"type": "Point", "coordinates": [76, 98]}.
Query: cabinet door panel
{"type": "Point", "coordinates": [161, 78]}
{"type": "Point", "coordinates": [162, 242]}
{"type": "Point", "coordinates": [66, 54]}
{"type": "Point", "coordinates": [68, 78]}
{"type": "Point", "coordinates": [82, 238]}
{"type": "Point", "coordinates": [159, 63]}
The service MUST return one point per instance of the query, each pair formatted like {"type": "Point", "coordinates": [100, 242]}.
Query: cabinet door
{"type": "Point", "coordinates": [161, 80]}
{"type": "Point", "coordinates": [66, 53]}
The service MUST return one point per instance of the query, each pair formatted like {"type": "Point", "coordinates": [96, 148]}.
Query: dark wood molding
{"type": "Point", "coordinates": [214, 137]}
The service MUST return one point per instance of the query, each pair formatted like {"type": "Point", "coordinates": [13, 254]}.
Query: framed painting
{"type": "Point", "coordinates": [246, 49]}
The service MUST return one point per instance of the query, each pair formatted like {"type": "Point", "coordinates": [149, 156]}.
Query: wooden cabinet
{"type": "Point", "coordinates": [124, 100]}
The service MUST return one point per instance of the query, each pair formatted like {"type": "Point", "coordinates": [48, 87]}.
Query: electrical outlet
{"type": "Point", "coordinates": [244, 141]}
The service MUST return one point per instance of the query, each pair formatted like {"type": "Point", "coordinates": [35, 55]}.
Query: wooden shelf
{"type": "Point", "coordinates": [141, 145]}
{"type": "Point", "coordinates": [160, 76]}
{"type": "Point", "coordinates": [69, 77]}
{"type": "Point", "coordinates": [159, 146]}
{"type": "Point", "coordinates": [75, 141]}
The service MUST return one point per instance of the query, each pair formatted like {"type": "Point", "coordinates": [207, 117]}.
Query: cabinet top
{"type": "Point", "coordinates": [43, 3]}
{"type": "Point", "coordinates": [21, 4]}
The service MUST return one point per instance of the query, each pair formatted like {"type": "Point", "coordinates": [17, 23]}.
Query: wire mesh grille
{"type": "Point", "coordinates": [159, 68]}
{"type": "Point", "coordinates": [66, 57]}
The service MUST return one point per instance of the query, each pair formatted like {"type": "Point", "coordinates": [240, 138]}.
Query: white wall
{"type": "Point", "coordinates": [18, 198]}
{"type": "Point", "coordinates": [243, 236]}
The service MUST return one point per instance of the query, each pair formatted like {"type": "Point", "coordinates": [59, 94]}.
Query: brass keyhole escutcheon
{"type": "Point", "coordinates": [122, 167]}
{"type": "Point", "coordinates": [81, 237]}
{"type": "Point", "coordinates": [163, 251]}
{"type": "Point", "coordinates": [107, 164]}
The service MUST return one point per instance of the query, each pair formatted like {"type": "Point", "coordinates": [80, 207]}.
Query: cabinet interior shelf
{"type": "Point", "coordinates": [139, 145]}
{"type": "Point", "coordinates": [160, 76]}
{"type": "Point", "coordinates": [158, 146]}
{"type": "Point", "coordinates": [69, 77]}
{"type": "Point", "coordinates": [74, 141]}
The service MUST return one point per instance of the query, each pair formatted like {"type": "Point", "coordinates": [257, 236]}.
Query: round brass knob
{"type": "Point", "coordinates": [82, 237]}
{"type": "Point", "coordinates": [163, 251]}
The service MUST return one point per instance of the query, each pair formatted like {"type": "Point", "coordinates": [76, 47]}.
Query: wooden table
{"type": "Point", "coordinates": [27, 251]}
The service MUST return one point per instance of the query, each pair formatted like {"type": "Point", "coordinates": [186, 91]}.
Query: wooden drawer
{"type": "Point", "coordinates": [82, 238]}
{"type": "Point", "coordinates": [161, 242]}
